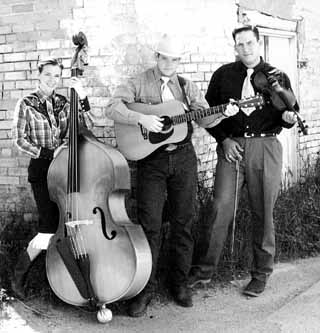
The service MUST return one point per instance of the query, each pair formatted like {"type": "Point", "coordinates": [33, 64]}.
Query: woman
{"type": "Point", "coordinates": [40, 124]}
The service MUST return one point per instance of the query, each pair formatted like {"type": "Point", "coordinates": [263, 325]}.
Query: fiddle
{"type": "Point", "coordinates": [282, 99]}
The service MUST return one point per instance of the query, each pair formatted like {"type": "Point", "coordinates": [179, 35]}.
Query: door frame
{"type": "Point", "coordinates": [290, 166]}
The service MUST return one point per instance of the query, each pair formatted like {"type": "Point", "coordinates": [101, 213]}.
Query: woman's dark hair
{"type": "Point", "coordinates": [252, 28]}
{"type": "Point", "coordinates": [49, 61]}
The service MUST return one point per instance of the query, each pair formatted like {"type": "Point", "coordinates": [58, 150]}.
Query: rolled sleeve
{"type": "Point", "coordinates": [198, 102]}
{"type": "Point", "coordinates": [116, 108]}
{"type": "Point", "coordinates": [19, 131]}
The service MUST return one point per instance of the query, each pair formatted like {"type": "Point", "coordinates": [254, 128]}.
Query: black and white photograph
{"type": "Point", "coordinates": [159, 166]}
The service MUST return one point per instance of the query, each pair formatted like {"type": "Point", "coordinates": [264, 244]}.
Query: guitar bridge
{"type": "Point", "coordinates": [144, 132]}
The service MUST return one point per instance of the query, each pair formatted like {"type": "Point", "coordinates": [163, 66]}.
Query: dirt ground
{"type": "Point", "coordinates": [216, 309]}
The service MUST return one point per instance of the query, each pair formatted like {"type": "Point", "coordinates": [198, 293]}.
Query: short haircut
{"type": "Point", "coordinates": [248, 27]}
{"type": "Point", "coordinates": [49, 61]}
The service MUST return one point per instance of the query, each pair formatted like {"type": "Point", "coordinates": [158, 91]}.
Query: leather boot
{"type": "Point", "coordinates": [19, 275]}
{"type": "Point", "coordinates": [182, 296]}
{"type": "Point", "coordinates": [139, 304]}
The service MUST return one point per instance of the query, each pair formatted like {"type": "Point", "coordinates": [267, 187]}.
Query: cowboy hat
{"type": "Point", "coordinates": [170, 47]}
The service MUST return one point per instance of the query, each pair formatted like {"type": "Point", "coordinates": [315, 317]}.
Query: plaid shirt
{"type": "Point", "coordinates": [40, 121]}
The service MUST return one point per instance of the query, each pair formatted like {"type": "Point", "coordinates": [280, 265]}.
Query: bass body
{"type": "Point", "coordinates": [119, 267]}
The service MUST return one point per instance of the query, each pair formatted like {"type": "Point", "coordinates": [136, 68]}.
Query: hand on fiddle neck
{"type": "Point", "coordinates": [76, 83]}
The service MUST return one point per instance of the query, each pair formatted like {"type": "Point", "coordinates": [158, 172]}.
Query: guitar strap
{"type": "Point", "coordinates": [182, 83]}
{"type": "Point", "coordinates": [186, 101]}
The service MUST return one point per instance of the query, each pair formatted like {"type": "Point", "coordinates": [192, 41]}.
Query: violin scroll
{"type": "Point", "coordinates": [80, 57]}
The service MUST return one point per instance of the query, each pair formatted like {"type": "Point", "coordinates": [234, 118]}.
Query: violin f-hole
{"type": "Point", "coordinates": [103, 224]}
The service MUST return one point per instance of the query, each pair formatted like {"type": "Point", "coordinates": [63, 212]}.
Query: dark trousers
{"type": "Point", "coordinates": [172, 176]}
{"type": "Point", "coordinates": [47, 209]}
{"type": "Point", "coordinates": [260, 170]}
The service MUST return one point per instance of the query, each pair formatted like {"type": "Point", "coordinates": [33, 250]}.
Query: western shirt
{"type": "Point", "coordinates": [41, 121]}
{"type": "Point", "coordinates": [227, 83]}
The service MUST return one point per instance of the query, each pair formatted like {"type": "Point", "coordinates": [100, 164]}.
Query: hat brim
{"type": "Point", "coordinates": [173, 55]}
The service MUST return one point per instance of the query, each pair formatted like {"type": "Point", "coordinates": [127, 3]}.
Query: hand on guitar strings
{"type": "Point", "coordinates": [151, 122]}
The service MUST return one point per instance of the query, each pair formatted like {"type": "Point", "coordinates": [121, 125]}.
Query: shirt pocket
{"type": "Point", "coordinates": [39, 124]}
{"type": "Point", "coordinates": [230, 88]}
{"type": "Point", "coordinates": [39, 119]}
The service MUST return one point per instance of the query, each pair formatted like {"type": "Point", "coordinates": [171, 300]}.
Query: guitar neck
{"type": "Point", "coordinates": [197, 114]}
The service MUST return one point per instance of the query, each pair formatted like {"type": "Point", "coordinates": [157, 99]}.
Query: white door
{"type": "Point", "coordinates": [279, 49]}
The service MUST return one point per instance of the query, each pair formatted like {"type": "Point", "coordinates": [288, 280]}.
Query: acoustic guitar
{"type": "Point", "coordinates": [136, 142]}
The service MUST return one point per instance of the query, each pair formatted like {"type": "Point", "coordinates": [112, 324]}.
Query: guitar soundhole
{"type": "Point", "coordinates": [167, 124]}
{"type": "Point", "coordinates": [166, 132]}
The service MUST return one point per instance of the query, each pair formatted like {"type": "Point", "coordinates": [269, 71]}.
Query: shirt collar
{"type": "Point", "coordinates": [257, 68]}
{"type": "Point", "coordinates": [43, 97]}
{"type": "Point", "coordinates": [158, 75]}
{"type": "Point", "coordinates": [260, 65]}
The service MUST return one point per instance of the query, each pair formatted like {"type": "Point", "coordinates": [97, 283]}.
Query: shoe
{"type": "Point", "coordinates": [254, 288]}
{"type": "Point", "coordinates": [196, 279]}
{"type": "Point", "coordinates": [182, 296]}
{"type": "Point", "coordinates": [139, 304]}
{"type": "Point", "coordinates": [19, 275]}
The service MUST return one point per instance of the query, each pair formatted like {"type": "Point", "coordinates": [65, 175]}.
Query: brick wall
{"type": "Point", "coordinates": [121, 34]}
{"type": "Point", "coordinates": [309, 81]}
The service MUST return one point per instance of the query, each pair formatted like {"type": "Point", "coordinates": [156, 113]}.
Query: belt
{"type": "Point", "coordinates": [171, 147]}
{"type": "Point", "coordinates": [175, 147]}
{"type": "Point", "coordinates": [258, 135]}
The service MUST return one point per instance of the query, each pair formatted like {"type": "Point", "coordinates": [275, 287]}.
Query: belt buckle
{"type": "Point", "coordinates": [171, 147]}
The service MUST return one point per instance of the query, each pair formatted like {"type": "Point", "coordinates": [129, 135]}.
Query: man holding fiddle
{"type": "Point", "coordinates": [248, 147]}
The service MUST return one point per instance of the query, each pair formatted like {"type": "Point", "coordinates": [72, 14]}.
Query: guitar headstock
{"type": "Point", "coordinates": [253, 101]}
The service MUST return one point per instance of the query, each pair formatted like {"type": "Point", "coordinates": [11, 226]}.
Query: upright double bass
{"type": "Point", "coordinates": [97, 256]}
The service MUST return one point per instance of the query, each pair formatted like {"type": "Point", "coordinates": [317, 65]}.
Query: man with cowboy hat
{"type": "Point", "coordinates": [170, 172]}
